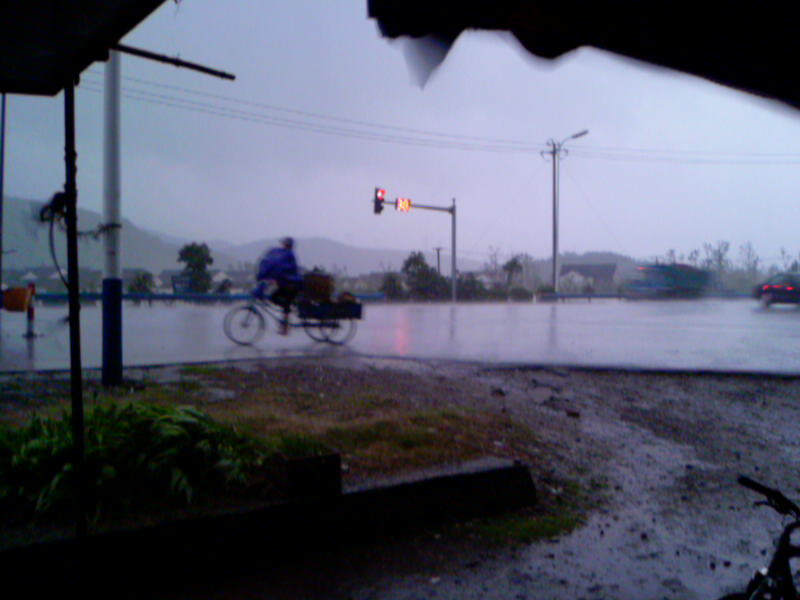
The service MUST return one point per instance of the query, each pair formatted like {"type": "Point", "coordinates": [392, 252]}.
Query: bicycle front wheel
{"type": "Point", "coordinates": [244, 325]}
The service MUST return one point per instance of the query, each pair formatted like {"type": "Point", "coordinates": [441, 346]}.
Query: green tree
{"type": "Point", "coordinates": [716, 260]}
{"type": "Point", "coordinates": [424, 283]}
{"type": "Point", "coordinates": [392, 286]}
{"type": "Point", "coordinates": [142, 283]}
{"type": "Point", "coordinates": [471, 288]}
{"type": "Point", "coordinates": [512, 268]}
{"type": "Point", "coordinates": [197, 258]}
{"type": "Point", "coordinates": [790, 262]}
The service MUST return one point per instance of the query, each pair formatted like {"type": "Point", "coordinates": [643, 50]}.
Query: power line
{"type": "Point", "coordinates": [371, 131]}
{"type": "Point", "coordinates": [685, 160]}
{"type": "Point", "coordinates": [321, 116]}
{"type": "Point", "coordinates": [698, 153]}
{"type": "Point", "coordinates": [221, 111]}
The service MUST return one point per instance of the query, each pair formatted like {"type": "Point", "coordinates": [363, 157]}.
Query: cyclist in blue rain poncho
{"type": "Point", "coordinates": [280, 265]}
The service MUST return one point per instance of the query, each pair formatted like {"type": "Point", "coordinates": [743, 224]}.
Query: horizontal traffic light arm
{"type": "Point", "coordinates": [448, 209]}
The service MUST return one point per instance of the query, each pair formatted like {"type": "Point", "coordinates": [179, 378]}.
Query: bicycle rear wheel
{"type": "Point", "coordinates": [331, 331]}
{"type": "Point", "coordinates": [244, 325]}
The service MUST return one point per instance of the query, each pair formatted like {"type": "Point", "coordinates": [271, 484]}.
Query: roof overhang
{"type": "Point", "coordinates": [750, 45]}
{"type": "Point", "coordinates": [46, 44]}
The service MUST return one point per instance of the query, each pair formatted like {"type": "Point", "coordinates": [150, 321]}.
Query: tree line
{"type": "Point", "coordinates": [417, 280]}
{"type": "Point", "coordinates": [732, 273]}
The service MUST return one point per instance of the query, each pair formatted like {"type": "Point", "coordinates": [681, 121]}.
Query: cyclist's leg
{"type": "Point", "coordinates": [282, 299]}
{"type": "Point", "coordinates": [260, 289]}
{"type": "Point", "coordinates": [283, 329]}
{"type": "Point", "coordinates": [279, 297]}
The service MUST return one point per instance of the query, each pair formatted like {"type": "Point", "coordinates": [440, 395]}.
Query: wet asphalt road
{"type": "Point", "coordinates": [711, 334]}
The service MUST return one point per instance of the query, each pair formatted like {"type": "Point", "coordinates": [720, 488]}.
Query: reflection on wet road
{"type": "Point", "coordinates": [711, 334]}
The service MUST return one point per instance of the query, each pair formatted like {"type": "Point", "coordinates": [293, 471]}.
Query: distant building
{"type": "Point", "coordinates": [600, 277]}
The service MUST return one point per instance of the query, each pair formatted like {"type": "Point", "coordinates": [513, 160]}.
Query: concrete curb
{"type": "Point", "coordinates": [133, 560]}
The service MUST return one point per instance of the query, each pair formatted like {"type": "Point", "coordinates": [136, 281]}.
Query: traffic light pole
{"type": "Point", "coordinates": [380, 199]}
{"type": "Point", "coordinates": [453, 270]}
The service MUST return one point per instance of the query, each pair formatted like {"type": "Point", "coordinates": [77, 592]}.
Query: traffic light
{"type": "Point", "coordinates": [380, 196]}
{"type": "Point", "coordinates": [403, 204]}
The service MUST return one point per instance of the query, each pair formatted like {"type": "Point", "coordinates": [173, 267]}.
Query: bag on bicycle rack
{"type": "Point", "coordinates": [317, 287]}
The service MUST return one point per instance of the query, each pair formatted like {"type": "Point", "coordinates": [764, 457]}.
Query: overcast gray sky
{"type": "Point", "coordinates": [323, 110]}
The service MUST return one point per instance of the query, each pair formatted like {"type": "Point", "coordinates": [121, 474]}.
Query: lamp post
{"type": "Point", "coordinates": [556, 148]}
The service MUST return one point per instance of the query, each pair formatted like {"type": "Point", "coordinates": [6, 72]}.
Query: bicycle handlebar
{"type": "Point", "coordinates": [775, 498]}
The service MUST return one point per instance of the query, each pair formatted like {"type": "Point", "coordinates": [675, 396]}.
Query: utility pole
{"type": "Point", "coordinates": [556, 149]}
{"type": "Point", "coordinates": [453, 270]}
{"type": "Point", "coordinates": [438, 261]}
{"type": "Point", "coordinates": [112, 276]}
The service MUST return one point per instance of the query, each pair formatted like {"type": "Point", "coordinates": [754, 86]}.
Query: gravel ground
{"type": "Point", "coordinates": [666, 447]}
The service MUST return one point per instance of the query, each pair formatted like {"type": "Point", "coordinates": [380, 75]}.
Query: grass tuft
{"type": "Point", "coordinates": [135, 454]}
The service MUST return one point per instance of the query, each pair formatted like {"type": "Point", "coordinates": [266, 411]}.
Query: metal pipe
{"type": "Point", "coordinates": [172, 61]}
{"type": "Point", "coordinates": [73, 290]}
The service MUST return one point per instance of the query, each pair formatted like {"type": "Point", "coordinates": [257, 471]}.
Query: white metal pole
{"type": "Point", "coordinates": [556, 151]}
{"type": "Point", "coordinates": [453, 270]}
{"type": "Point", "coordinates": [111, 196]}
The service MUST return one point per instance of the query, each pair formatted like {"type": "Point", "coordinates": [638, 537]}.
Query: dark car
{"type": "Point", "coordinates": [782, 288]}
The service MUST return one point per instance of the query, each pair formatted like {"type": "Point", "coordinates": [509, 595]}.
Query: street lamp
{"type": "Point", "coordinates": [556, 148]}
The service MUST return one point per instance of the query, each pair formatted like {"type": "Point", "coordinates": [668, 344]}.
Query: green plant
{"type": "Point", "coordinates": [136, 454]}
{"type": "Point", "coordinates": [296, 445]}
{"type": "Point", "coordinates": [200, 370]}
{"type": "Point", "coordinates": [525, 526]}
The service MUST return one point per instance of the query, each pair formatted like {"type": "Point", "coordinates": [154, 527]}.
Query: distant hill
{"type": "Point", "coordinates": [338, 257]}
{"type": "Point", "coordinates": [25, 243]}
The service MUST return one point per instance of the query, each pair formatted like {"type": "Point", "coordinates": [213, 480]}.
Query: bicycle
{"type": "Point", "coordinates": [328, 322]}
{"type": "Point", "coordinates": [773, 582]}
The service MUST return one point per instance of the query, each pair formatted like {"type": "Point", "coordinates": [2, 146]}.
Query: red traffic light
{"type": "Point", "coordinates": [380, 195]}
{"type": "Point", "coordinates": [403, 204]}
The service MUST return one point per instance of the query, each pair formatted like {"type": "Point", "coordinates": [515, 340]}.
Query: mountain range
{"type": "Point", "coordinates": [25, 244]}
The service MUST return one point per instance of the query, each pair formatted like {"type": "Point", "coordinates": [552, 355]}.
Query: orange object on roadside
{"type": "Point", "coordinates": [17, 299]}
